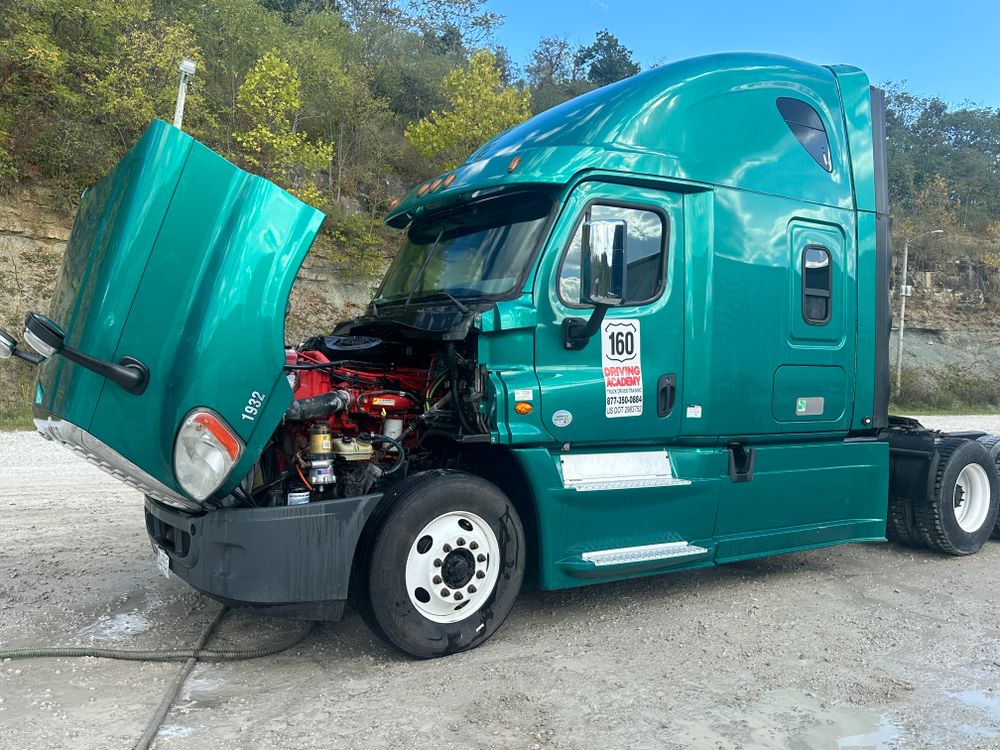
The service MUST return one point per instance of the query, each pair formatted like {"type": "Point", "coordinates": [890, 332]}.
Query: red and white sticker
{"type": "Point", "coordinates": [622, 366]}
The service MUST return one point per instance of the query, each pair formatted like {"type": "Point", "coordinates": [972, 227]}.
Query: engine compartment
{"type": "Point", "coordinates": [367, 413]}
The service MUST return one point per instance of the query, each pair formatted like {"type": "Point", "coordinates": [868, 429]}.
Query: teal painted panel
{"type": "Point", "coordinates": [810, 395]}
{"type": "Point", "coordinates": [797, 489]}
{"type": "Point", "coordinates": [571, 522]}
{"type": "Point", "coordinates": [744, 303]}
{"type": "Point", "coordinates": [198, 294]}
{"type": "Point", "coordinates": [855, 92]}
{"type": "Point", "coordinates": [864, 383]}
{"type": "Point", "coordinates": [113, 235]}
{"type": "Point", "coordinates": [573, 382]}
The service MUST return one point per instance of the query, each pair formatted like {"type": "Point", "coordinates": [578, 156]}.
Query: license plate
{"type": "Point", "coordinates": [162, 562]}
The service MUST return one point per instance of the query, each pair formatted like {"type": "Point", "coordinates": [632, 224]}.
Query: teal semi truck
{"type": "Point", "coordinates": [644, 331]}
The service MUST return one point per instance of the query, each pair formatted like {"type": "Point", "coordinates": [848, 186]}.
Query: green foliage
{"type": "Point", "coordinates": [606, 60]}
{"type": "Point", "coordinates": [270, 102]}
{"type": "Point", "coordinates": [479, 107]}
{"type": "Point", "coordinates": [952, 389]}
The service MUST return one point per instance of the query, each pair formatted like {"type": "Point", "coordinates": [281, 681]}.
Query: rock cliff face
{"type": "Point", "coordinates": [33, 237]}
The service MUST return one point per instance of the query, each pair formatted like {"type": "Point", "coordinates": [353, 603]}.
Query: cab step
{"type": "Point", "coordinates": [643, 553]}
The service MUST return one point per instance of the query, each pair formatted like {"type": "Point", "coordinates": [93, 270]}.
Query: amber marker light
{"type": "Point", "coordinates": [423, 188]}
{"type": "Point", "coordinates": [449, 179]}
{"type": "Point", "coordinates": [393, 203]}
{"type": "Point", "coordinates": [513, 164]}
{"type": "Point", "coordinates": [523, 407]}
{"type": "Point", "coordinates": [435, 185]}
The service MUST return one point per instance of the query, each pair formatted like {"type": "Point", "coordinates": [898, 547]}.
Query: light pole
{"type": "Point", "coordinates": [187, 68]}
{"type": "Point", "coordinates": [904, 292]}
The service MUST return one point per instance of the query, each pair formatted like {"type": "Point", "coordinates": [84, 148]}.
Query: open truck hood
{"type": "Point", "coordinates": [184, 262]}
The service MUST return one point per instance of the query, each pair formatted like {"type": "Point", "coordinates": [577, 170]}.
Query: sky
{"type": "Point", "coordinates": [946, 49]}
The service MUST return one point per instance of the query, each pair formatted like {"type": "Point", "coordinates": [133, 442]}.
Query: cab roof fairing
{"type": "Point", "coordinates": [710, 119]}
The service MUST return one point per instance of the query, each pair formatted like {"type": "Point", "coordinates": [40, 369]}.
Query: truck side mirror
{"type": "Point", "coordinates": [603, 269]}
{"type": "Point", "coordinates": [7, 344]}
{"type": "Point", "coordinates": [8, 349]}
{"type": "Point", "coordinates": [48, 339]}
{"type": "Point", "coordinates": [603, 274]}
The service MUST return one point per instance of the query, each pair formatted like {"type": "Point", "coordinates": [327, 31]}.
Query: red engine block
{"type": "Point", "coordinates": [376, 392]}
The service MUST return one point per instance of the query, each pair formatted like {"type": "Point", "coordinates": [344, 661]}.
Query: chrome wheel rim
{"type": "Point", "coordinates": [452, 567]}
{"type": "Point", "coordinates": [971, 502]}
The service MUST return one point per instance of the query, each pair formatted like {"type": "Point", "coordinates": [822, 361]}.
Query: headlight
{"type": "Point", "coordinates": [205, 452]}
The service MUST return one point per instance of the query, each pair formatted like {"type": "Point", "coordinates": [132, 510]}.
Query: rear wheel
{"type": "Point", "coordinates": [992, 444]}
{"type": "Point", "coordinates": [442, 565]}
{"type": "Point", "coordinates": [960, 511]}
{"type": "Point", "coordinates": [900, 526]}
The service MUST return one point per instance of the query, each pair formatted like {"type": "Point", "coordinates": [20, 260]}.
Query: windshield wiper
{"type": "Point", "coordinates": [442, 293]}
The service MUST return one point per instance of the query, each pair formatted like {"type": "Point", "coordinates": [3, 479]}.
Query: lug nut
{"type": "Point", "coordinates": [480, 574]}
{"type": "Point", "coordinates": [445, 592]}
{"type": "Point", "coordinates": [472, 589]}
{"type": "Point", "coordinates": [458, 596]}
{"type": "Point", "coordinates": [437, 563]}
{"type": "Point", "coordinates": [460, 541]}
{"type": "Point", "coordinates": [437, 579]}
{"type": "Point", "coordinates": [480, 557]}
{"type": "Point", "coordinates": [473, 545]}
{"type": "Point", "coordinates": [447, 548]}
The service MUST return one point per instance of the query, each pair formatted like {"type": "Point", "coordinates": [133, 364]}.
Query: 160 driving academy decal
{"type": "Point", "coordinates": [622, 368]}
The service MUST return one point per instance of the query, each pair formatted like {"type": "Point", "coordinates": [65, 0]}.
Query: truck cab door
{"type": "Point", "coordinates": [623, 385]}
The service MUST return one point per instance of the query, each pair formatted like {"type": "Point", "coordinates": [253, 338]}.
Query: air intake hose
{"type": "Point", "coordinates": [318, 406]}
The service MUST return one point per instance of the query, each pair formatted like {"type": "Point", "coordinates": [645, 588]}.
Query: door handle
{"type": "Point", "coordinates": [666, 394]}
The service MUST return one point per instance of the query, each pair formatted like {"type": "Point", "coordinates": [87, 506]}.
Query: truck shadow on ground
{"type": "Point", "coordinates": [695, 590]}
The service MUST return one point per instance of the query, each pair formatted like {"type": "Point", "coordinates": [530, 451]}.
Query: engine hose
{"type": "Point", "coordinates": [206, 654]}
{"type": "Point", "coordinates": [453, 382]}
{"type": "Point", "coordinates": [400, 452]}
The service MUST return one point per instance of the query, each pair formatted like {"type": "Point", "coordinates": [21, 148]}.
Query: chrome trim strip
{"type": "Point", "coordinates": [107, 459]}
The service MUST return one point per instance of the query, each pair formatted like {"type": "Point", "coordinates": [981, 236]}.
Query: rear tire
{"type": "Point", "coordinates": [900, 525]}
{"type": "Point", "coordinates": [960, 510]}
{"type": "Point", "coordinates": [992, 444]}
{"type": "Point", "coordinates": [441, 565]}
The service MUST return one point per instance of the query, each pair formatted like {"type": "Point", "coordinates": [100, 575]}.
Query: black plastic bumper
{"type": "Point", "coordinates": [289, 561]}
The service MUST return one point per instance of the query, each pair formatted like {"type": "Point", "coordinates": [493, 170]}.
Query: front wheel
{"type": "Point", "coordinates": [442, 564]}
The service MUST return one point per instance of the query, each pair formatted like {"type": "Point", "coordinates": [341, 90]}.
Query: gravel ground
{"type": "Point", "coordinates": [861, 646]}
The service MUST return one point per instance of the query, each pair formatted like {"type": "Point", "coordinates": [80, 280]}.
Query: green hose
{"type": "Point", "coordinates": [205, 654]}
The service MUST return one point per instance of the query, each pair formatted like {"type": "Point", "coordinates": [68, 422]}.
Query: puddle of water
{"type": "Point", "coordinates": [201, 688]}
{"type": "Point", "coordinates": [172, 731]}
{"type": "Point", "coordinates": [984, 701]}
{"type": "Point", "coordinates": [877, 739]}
{"type": "Point", "coordinates": [118, 626]}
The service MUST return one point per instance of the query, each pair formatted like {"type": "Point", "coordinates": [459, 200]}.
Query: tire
{"type": "Point", "coordinates": [960, 510]}
{"type": "Point", "coordinates": [441, 564]}
{"type": "Point", "coordinates": [992, 444]}
{"type": "Point", "coordinates": [900, 525]}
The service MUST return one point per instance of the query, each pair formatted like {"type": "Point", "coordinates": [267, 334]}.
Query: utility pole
{"type": "Point", "coordinates": [905, 291]}
{"type": "Point", "coordinates": [187, 68]}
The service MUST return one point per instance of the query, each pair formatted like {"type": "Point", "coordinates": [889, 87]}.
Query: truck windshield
{"type": "Point", "coordinates": [477, 250]}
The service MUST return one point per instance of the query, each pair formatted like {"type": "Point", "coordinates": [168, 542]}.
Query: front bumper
{"type": "Point", "coordinates": [286, 561]}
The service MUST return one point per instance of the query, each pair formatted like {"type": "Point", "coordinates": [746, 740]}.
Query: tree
{"type": "Point", "coordinates": [141, 82]}
{"type": "Point", "coordinates": [551, 62]}
{"type": "Point", "coordinates": [606, 60]}
{"type": "Point", "coordinates": [271, 142]}
{"type": "Point", "coordinates": [479, 107]}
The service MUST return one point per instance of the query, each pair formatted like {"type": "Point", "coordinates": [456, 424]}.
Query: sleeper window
{"type": "Point", "coordinates": [645, 254]}
{"type": "Point", "coordinates": [816, 285]}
